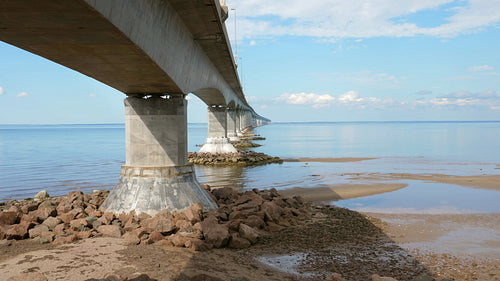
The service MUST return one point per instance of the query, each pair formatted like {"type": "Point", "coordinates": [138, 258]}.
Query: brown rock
{"type": "Point", "coordinates": [9, 218]}
{"type": "Point", "coordinates": [31, 276]}
{"type": "Point", "coordinates": [29, 218]}
{"type": "Point", "coordinates": [63, 208]}
{"type": "Point", "coordinates": [254, 221]}
{"type": "Point", "coordinates": [18, 231]}
{"type": "Point", "coordinates": [67, 217]}
{"type": "Point", "coordinates": [47, 235]}
{"type": "Point", "coordinates": [225, 194]}
{"type": "Point", "coordinates": [45, 213]}
{"type": "Point", "coordinates": [156, 236]}
{"type": "Point", "coordinates": [51, 222]}
{"type": "Point", "coordinates": [107, 218]}
{"type": "Point", "coordinates": [248, 233]}
{"type": "Point", "coordinates": [236, 242]}
{"type": "Point", "coordinates": [194, 213]}
{"type": "Point", "coordinates": [78, 223]}
{"type": "Point", "coordinates": [37, 230]}
{"type": "Point", "coordinates": [96, 213]}
{"type": "Point", "coordinates": [110, 230]}
{"type": "Point", "coordinates": [59, 229]}
{"type": "Point", "coordinates": [180, 240]}
{"type": "Point", "coordinates": [29, 207]}
{"type": "Point", "coordinates": [204, 277]}
{"type": "Point", "coordinates": [45, 204]}
{"type": "Point", "coordinates": [160, 224]}
{"type": "Point", "coordinates": [199, 245]}
{"type": "Point", "coordinates": [64, 239]}
{"type": "Point", "coordinates": [236, 215]}
{"type": "Point", "coordinates": [214, 233]}
{"type": "Point", "coordinates": [272, 211]}
{"type": "Point", "coordinates": [130, 238]}
{"type": "Point", "coordinates": [84, 234]}
{"type": "Point", "coordinates": [272, 227]}
{"type": "Point", "coordinates": [75, 195]}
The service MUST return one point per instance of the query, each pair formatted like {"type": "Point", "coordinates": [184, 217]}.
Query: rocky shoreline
{"type": "Point", "coordinates": [251, 221]}
{"type": "Point", "coordinates": [249, 158]}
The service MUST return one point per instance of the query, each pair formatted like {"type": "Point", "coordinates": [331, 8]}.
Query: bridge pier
{"type": "Point", "coordinates": [231, 125]}
{"type": "Point", "coordinates": [217, 141]}
{"type": "Point", "coordinates": [156, 174]}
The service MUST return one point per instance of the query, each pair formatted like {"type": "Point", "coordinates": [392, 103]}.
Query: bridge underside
{"type": "Point", "coordinates": [73, 34]}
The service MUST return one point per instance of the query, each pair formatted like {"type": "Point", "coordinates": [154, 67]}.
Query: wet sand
{"type": "Point", "coordinates": [328, 160]}
{"type": "Point", "coordinates": [341, 191]}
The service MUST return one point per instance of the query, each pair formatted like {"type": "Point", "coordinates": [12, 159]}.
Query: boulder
{"type": "Point", "coordinates": [37, 230]}
{"type": "Point", "coordinates": [42, 195]}
{"type": "Point", "coordinates": [8, 218]}
{"type": "Point", "coordinates": [236, 242]}
{"type": "Point", "coordinates": [130, 239]}
{"type": "Point", "coordinates": [194, 213]}
{"type": "Point", "coordinates": [18, 231]}
{"type": "Point", "coordinates": [248, 233]}
{"type": "Point", "coordinates": [376, 277]}
{"type": "Point", "coordinates": [214, 233]}
{"type": "Point", "coordinates": [110, 230]}
{"type": "Point", "coordinates": [160, 224]}
{"type": "Point", "coordinates": [51, 222]}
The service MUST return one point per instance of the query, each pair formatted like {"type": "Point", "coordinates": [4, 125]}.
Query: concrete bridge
{"type": "Point", "coordinates": [156, 52]}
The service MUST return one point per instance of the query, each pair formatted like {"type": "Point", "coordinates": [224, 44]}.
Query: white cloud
{"type": "Point", "coordinates": [23, 94]}
{"type": "Point", "coordinates": [253, 43]}
{"type": "Point", "coordinates": [316, 100]}
{"type": "Point", "coordinates": [487, 99]}
{"type": "Point", "coordinates": [359, 18]}
{"type": "Point", "coordinates": [365, 77]}
{"type": "Point", "coordinates": [1, 91]}
{"type": "Point", "coordinates": [481, 68]}
{"type": "Point", "coordinates": [92, 96]}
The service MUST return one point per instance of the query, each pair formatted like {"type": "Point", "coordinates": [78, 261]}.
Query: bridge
{"type": "Point", "coordinates": [156, 52]}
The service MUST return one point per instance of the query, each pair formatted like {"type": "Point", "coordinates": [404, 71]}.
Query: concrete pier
{"type": "Point", "coordinates": [231, 125]}
{"type": "Point", "coordinates": [156, 174]}
{"type": "Point", "coordinates": [217, 141]}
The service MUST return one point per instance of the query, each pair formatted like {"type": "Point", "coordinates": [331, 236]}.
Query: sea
{"type": "Point", "coordinates": [64, 158]}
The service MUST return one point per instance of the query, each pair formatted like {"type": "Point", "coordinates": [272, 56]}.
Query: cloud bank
{"type": "Point", "coordinates": [362, 18]}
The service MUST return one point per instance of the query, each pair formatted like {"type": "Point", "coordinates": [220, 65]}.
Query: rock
{"type": "Point", "coordinates": [42, 195]}
{"type": "Point", "coordinates": [29, 207]}
{"type": "Point", "coordinates": [29, 218]}
{"type": "Point", "coordinates": [225, 194]}
{"type": "Point", "coordinates": [255, 222]}
{"type": "Point", "coordinates": [156, 236]}
{"type": "Point", "coordinates": [248, 233]}
{"type": "Point", "coordinates": [31, 276]}
{"type": "Point", "coordinates": [130, 239]}
{"type": "Point", "coordinates": [110, 230]}
{"type": "Point", "coordinates": [8, 218]}
{"type": "Point", "coordinates": [84, 234]}
{"type": "Point", "coordinates": [272, 211]}
{"type": "Point", "coordinates": [64, 208]}
{"type": "Point", "coordinates": [78, 224]}
{"type": "Point", "coordinates": [161, 224]}
{"type": "Point", "coordinates": [44, 213]}
{"type": "Point", "coordinates": [51, 222]}
{"type": "Point", "coordinates": [37, 230]}
{"type": "Point", "coordinates": [47, 235]}
{"type": "Point", "coordinates": [46, 204]}
{"type": "Point", "coordinates": [18, 231]}
{"type": "Point", "coordinates": [75, 195]}
{"type": "Point", "coordinates": [65, 239]}
{"type": "Point", "coordinates": [236, 242]}
{"type": "Point", "coordinates": [214, 234]}
{"type": "Point", "coordinates": [194, 213]}
{"type": "Point", "coordinates": [200, 246]}
{"type": "Point", "coordinates": [204, 277]}
{"type": "Point", "coordinates": [67, 217]}
{"type": "Point", "coordinates": [376, 277]}
{"type": "Point", "coordinates": [59, 229]}
{"type": "Point", "coordinates": [90, 220]}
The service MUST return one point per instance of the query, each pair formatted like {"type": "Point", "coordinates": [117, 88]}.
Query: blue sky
{"type": "Point", "coordinates": [316, 60]}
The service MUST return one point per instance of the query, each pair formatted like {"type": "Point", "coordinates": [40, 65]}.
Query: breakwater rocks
{"type": "Point", "coordinates": [238, 223]}
{"type": "Point", "coordinates": [249, 158]}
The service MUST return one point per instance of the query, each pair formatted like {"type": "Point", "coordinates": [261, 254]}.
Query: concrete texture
{"type": "Point", "coordinates": [151, 190]}
{"type": "Point", "coordinates": [231, 125]}
{"type": "Point", "coordinates": [217, 141]}
{"type": "Point", "coordinates": [156, 174]}
{"type": "Point", "coordinates": [218, 145]}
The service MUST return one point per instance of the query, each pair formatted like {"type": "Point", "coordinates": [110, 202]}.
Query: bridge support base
{"type": "Point", "coordinates": [156, 174]}
{"type": "Point", "coordinates": [218, 145]}
{"type": "Point", "coordinates": [151, 190]}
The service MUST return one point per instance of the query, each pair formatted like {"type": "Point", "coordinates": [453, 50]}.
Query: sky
{"type": "Point", "coordinates": [306, 61]}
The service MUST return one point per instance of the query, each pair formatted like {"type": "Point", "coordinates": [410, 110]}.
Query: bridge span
{"type": "Point", "coordinates": [156, 52]}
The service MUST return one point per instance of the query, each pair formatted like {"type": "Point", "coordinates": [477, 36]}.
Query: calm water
{"type": "Point", "coordinates": [62, 158]}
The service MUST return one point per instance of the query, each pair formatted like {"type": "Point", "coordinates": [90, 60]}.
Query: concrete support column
{"type": "Point", "coordinates": [217, 141]}
{"type": "Point", "coordinates": [156, 174]}
{"type": "Point", "coordinates": [231, 125]}
{"type": "Point", "coordinates": [238, 123]}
